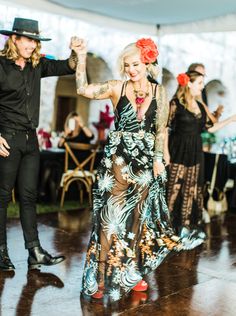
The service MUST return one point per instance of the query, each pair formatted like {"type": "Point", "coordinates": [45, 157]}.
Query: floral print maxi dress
{"type": "Point", "coordinates": [131, 234]}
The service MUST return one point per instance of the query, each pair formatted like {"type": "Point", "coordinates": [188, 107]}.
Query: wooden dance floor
{"type": "Point", "coordinates": [200, 282]}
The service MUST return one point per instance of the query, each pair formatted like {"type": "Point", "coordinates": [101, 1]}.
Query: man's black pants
{"type": "Point", "coordinates": [20, 168]}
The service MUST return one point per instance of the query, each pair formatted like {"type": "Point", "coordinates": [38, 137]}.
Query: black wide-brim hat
{"type": "Point", "coordinates": [25, 27]}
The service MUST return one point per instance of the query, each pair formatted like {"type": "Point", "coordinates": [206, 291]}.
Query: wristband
{"type": "Point", "coordinates": [158, 157]}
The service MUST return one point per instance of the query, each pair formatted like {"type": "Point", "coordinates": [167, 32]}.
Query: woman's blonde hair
{"type": "Point", "coordinates": [10, 52]}
{"type": "Point", "coordinates": [130, 50]}
{"type": "Point", "coordinates": [183, 93]}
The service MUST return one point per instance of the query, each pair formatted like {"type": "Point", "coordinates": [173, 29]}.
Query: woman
{"type": "Point", "coordinates": [188, 118]}
{"type": "Point", "coordinates": [75, 130]}
{"type": "Point", "coordinates": [131, 233]}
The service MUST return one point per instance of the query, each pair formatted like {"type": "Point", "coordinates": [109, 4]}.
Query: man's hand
{"type": "Point", "coordinates": [78, 52]}
{"type": "Point", "coordinates": [3, 147]}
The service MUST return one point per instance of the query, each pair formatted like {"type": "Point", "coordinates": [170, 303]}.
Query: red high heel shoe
{"type": "Point", "coordinates": [138, 298]}
{"type": "Point", "coordinates": [98, 294]}
{"type": "Point", "coordinates": [142, 286]}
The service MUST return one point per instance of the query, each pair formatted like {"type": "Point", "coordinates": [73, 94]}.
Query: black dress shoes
{"type": "Point", "coordinates": [38, 256]}
{"type": "Point", "coordinates": [5, 261]}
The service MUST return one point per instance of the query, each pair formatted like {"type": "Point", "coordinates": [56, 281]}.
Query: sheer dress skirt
{"type": "Point", "coordinates": [131, 232]}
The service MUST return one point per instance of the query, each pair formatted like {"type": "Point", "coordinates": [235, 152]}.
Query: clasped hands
{"type": "Point", "coordinates": [78, 45]}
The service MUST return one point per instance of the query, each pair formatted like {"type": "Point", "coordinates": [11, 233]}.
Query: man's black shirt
{"type": "Point", "coordinates": [20, 90]}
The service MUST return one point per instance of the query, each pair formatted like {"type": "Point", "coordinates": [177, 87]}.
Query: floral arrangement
{"type": "Point", "coordinates": [105, 119]}
{"type": "Point", "coordinates": [149, 51]}
{"type": "Point", "coordinates": [183, 79]}
{"type": "Point", "coordinates": [44, 139]}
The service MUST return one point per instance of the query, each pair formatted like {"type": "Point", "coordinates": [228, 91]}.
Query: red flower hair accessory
{"type": "Point", "coordinates": [148, 49]}
{"type": "Point", "coordinates": [183, 79]}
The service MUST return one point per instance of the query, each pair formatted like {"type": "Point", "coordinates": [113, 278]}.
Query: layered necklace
{"type": "Point", "coordinates": [140, 96]}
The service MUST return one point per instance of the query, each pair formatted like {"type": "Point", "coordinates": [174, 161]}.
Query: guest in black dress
{"type": "Point", "coordinates": [75, 130]}
{"type": "Point", "coordinates": [188, 118]}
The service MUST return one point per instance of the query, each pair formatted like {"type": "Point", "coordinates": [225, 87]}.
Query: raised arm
{"type": "Point", "coordinates": [210, 115]}
{"type": "Point", "coordinates": [105, 90]}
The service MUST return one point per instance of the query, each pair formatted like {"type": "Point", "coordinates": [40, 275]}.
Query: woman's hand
{"type": "Point", "coordinates": [80, 121]}
{"type": "Point", "coordinates": [166, 157]}
{"type": "Point", "coordinates": [218, 112]}
{"type": "Point", "coordinates": [158, 168]}
{"type": "Point", "coordinates": [3, 147]}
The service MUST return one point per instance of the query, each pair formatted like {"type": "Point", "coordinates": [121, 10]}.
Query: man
{"type": "Point", "coordinates": [201, 69]}
{"type": "Point", "coordinates": [21, 68]}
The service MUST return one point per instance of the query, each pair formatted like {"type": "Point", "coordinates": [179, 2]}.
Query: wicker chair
{"type": "Point", "coordinates": [83, 172]}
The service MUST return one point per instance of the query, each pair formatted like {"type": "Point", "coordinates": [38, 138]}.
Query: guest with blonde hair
{"type": "Point", "coordinates": [131, 232]}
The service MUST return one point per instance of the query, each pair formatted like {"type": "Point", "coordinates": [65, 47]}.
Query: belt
{"type": "Point", "coordinates": [15, 131]}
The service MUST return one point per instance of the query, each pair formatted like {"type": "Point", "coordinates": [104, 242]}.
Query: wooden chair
{"type": "Point", "coordinates": [83, 172]}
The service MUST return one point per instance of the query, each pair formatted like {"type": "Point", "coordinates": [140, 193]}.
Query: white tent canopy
{"type": "Point", "coordinates": [177, 51]}
{"type": "Point", "coordinates": [154, 17]}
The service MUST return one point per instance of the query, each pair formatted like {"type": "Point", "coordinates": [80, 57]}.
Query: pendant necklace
{"type": "Point", "coordinates": [140, 96]}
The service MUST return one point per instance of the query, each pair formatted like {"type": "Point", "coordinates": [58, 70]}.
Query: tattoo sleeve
{"type": "Point", "coordinates": [161, 121]}
{"type": "Point", "coordinates": [80, 75]}
{"type": "Point", "coordinates": [100, 89]}
{"type": "Point", "coordinates": [103, 90]}
{"type": "Point", "coordinates": [73, 60]}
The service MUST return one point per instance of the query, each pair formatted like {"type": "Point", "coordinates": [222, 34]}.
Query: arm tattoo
{"type": "Point", "coordinates": [113, 83]}
{"type": "Point", "coordinates": [80, 75]}
{"type": "Point", "coordinates": [161, 120]}
{"type": "Point", "coordinates": [73, 59]}
{"type": "Point", "coordinates": [100, 89]}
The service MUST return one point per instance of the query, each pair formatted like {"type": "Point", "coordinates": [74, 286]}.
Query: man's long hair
{"type": "Point", "coordinates": [10, 52]}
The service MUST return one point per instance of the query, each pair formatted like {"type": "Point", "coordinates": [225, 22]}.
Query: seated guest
{"type": "Point", "coordinates": [75, 130]}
